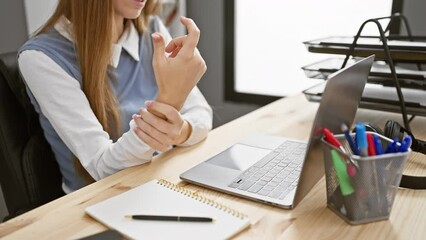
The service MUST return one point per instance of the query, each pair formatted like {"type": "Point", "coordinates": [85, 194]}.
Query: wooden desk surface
{"type": "Point", "coordinates": [292, 117]}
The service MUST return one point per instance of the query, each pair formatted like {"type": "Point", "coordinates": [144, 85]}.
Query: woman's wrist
{"type": "Point", "coordinates": [185, 133]}
{"type": "Point", "coordinates": [174, 102]}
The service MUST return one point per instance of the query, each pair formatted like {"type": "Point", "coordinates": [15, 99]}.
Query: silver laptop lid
{"type": "Point", "coordinates": [338, 105]}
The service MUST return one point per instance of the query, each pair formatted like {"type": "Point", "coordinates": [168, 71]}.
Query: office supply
{"type": "Point", "coordinates": [347, 192]}
{"type": "Point", "coordinates": [380, 73]}
{"type": "Point", "coordinates": [267, 168]}
{"type": "Point", "coordinates": [366, 168]}
{"type": "Point", "coordinates": [349, 139]}
{"type": "Point", "coordinates": [378, 97]}
{"type": "Point", "coordinates": [170, 218]}
{"type": "Point", "coordinates": [375, 187]}
{"type": "Point", "coordinates": [407, 49]}
{"type": "Point", "coordinates": [342, 45]}
{"type": "Point", "coordinates": [378, 145]}
{"type": "Point", "coordinates": [381, 173]}
{"type": "Point", "coordinates": [393, 147]}
{"type": "Point", "coordinates": [161, 197]}
{"type": "Point", "coordinates": [342, 176]}
{"type": "Point", "coordinates": [371, 145]}
{"type": "Point", "coordinates": [393, 129]}
{"type": "Point", "coordinates": [329, 137]}
{"type": "Point", "coordinates": [310, 219]}
{"type": "Point", "coordinates": [381, 170]}
{"type": "Point", "coordinates": [361, 138]}
{"type": "Point", "coordinates": [405, 144]}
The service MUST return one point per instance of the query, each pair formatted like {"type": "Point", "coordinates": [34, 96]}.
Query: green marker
{"type": "Point", "coordinates": [342, 175]}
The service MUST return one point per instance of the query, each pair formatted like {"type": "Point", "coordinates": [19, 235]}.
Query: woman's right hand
{"type": "Point", "coordinates": [179, 71]}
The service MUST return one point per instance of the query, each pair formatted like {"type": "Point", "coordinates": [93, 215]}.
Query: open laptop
{"type": "Point", "coordinates": [281, 171]}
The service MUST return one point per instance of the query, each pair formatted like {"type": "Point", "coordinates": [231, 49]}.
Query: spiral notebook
{"type": "Point", "coordinates": [161, 197]}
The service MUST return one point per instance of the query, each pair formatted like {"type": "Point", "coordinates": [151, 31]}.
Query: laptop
{"type": "Point", "coordinates": [281, 171]}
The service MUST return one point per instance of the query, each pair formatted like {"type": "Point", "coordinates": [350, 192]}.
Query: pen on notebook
{"type": "Point", "coordinates": [349, 139]}
{"type": "Point", "coordinates": [170, 218]}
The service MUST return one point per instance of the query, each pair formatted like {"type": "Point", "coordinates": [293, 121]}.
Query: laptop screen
{"type": "Point", "coordinates": [338, 105]}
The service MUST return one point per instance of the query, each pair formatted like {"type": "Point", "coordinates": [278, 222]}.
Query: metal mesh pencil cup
{"type": "Point", "coordinates": [368, 195]}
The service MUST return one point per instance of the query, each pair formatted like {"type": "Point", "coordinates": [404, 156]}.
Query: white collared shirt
{"type": "Point", "coordinates": [98, 154]}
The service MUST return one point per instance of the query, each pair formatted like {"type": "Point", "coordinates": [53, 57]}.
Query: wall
{"type": "Point", "coordinates": [414, 10]}
{"type": "Point", "coordinates": [38, 12]}
{"type": "Point", "coordinates": [12, 25]}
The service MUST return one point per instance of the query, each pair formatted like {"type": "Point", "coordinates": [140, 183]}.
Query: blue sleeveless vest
{"type": "Point", "coordinates": [134, 84]}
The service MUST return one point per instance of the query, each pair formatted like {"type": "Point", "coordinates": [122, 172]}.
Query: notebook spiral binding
{"type": "Point", "coordinates": [202, 199]}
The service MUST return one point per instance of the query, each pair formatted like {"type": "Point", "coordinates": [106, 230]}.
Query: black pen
{"type": "Point", "coordinates": [170, 218]}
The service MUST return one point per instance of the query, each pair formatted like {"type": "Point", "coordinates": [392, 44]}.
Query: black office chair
{"type": "Point", "coordinates": [29, 173]}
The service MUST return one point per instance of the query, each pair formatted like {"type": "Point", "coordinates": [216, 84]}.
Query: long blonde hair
{"type": "Point", "coordinates": [93, 26]}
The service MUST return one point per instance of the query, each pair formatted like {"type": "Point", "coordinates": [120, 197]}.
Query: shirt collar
{"type": "Point", "coordinates": [129, 40]}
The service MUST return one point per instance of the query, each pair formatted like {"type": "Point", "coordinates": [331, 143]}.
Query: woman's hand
{"type": "Point", "coordinates": [179, 72]}
{"type": "Point", "coordinates": [161, 133]}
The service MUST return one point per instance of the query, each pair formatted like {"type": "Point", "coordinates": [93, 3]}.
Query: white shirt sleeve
{"type": "Point", "coordinates": [198, 113]}
{"type": "Point", "coordinates": [66, 107]}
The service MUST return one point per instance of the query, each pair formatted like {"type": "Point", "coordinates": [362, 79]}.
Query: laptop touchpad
{"type": "Point", "coordinates": [239, 157]}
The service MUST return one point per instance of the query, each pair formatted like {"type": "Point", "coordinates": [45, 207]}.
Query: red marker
{"type": "Point", "coordinates": [371, 145]}
{"type": "Point", "coordinates": [329, 137]}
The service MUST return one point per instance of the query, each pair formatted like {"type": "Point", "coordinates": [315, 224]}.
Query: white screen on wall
{"type": "Point", "coordinates": [269, 52]}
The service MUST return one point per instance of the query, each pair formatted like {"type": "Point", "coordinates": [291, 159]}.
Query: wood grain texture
{"type": "Point", "coordinates": [292, 117]}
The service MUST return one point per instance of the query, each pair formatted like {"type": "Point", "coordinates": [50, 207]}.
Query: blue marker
{"type": "Point", "coordinates": [393, 147]}
{"type": "Point", "coordinates": [378, 145]}
{"type": "Point", "coordinates": [349, 139]}
{"type": "Point", "coordinates": [381, 170]}
{"type": "Point", "coordinates": [405, 144]}
{"type": "Point", "coordinates": [361, 138]}
{"type": "Point", "coordinates": [355, 143]}
{"type": "Point", "coordinates": [366, 170]}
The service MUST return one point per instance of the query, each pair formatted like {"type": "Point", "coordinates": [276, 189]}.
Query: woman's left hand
{"type": "Point", "coordinates": [161, 133]}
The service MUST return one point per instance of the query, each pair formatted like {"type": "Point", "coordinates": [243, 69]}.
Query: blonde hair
{"type": "Point", "coordinates": [93, 26]}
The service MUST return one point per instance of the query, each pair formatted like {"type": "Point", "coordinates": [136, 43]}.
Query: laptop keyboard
{"type": "Point", "coordinates": [276, 174]}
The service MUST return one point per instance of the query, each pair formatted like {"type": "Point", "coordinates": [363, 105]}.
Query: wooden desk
{"type": "Point", "coordinates": [292, 117]}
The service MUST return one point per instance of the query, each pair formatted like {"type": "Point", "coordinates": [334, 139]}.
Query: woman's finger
{"type": "Point", "coordinates": [168, 111]}
{"type": "Point", "coordinates": [175, 52]}
{"type": "Point", "coordinates": [192, 38]}
{"type": "Point", "coordinates": [152, 131]}
{"type": "Point", "coordinates": [161, 124]}
{"type": "Point", "coordinates": [175, 43]}
{"type": "Point", "coordinates": [150, 141]}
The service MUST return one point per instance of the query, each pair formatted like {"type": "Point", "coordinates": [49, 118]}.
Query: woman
{"type": "Point", "coordinates": [90, 70]}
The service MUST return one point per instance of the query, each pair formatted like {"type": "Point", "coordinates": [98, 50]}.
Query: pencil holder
{"type": "Point", "coordinates": [362, 189]}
